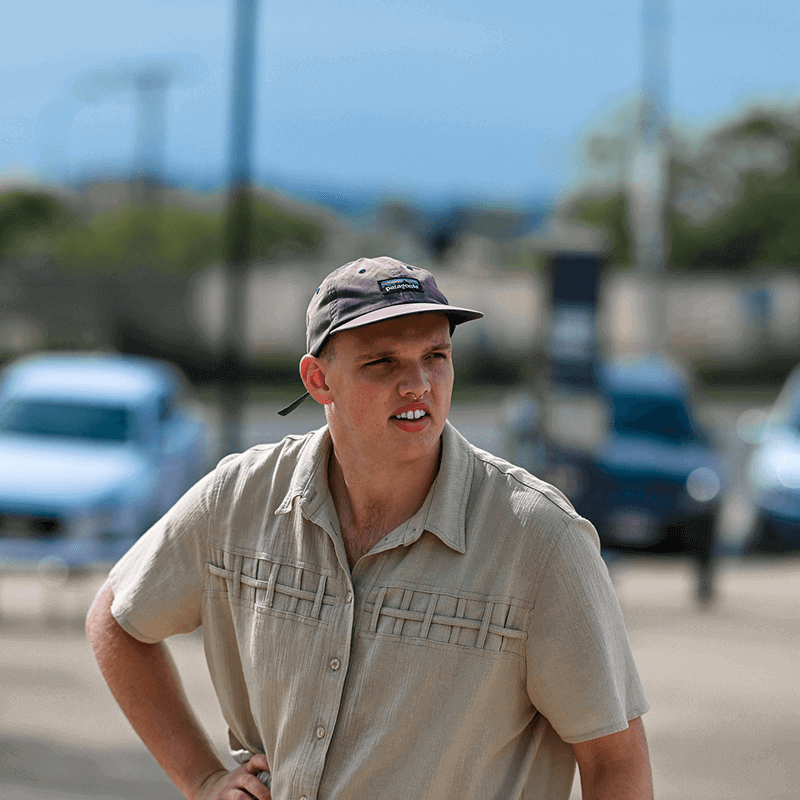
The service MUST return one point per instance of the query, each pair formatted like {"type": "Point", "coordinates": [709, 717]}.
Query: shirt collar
{"type": "Point", "coordinates": [447, 512]}
{"type": "Point", "coordinates": [310, 477]}
{"type": "Point", "coordinates": [444, 511]}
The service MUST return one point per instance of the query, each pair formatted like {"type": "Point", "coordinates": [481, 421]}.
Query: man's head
{"type": "Point", "coordinates": [386, 390]}
{"type": "Point", "coordinates": [369, 291]}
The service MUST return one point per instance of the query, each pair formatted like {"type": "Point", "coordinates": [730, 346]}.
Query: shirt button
{"type": "Point", "coordinates": [335, 663]}
{"type": "Point", "coordinates": [320, 732]}
{"type": "Point", "coordinates": [349, 598]}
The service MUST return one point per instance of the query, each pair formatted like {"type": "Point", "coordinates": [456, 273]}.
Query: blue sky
{"type": "Point", "coordinates": [410, 97]}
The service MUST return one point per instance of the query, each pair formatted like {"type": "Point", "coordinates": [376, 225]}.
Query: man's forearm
{"type": "Point", "coordinates": [145, 683]}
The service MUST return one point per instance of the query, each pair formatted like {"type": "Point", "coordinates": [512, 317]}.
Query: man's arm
{"type": "Point", "coordinates": [145, 683]}
{"type": "Point", "coordinates": [617, 766]}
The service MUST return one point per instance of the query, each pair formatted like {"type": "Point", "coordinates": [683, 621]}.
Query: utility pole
{"type": "Point", "coordinates": [648, 189]}
{"type": "Point", "coordinates": [150, 84]}
{"type": "Point", "coordinates": [232, 363]}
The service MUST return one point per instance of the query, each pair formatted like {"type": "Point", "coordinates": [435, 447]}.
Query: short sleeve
{"type": "Point", "coordinates": [580, 669]}
{"type": "Point", "coordinates": [158, 583]}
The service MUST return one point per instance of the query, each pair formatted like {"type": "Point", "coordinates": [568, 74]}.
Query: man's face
{"type": "Point", "coordinates": [373, 377]}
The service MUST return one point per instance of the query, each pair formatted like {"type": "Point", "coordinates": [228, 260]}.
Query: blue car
{"type": "Point", "coordinates": [773, 476]}
{"type": "Point", "coordinates": [633, 458]}
{"type": "Point", "coordinates": [656, 480]}
{"type": "Point", "coordinates": [93, 449]}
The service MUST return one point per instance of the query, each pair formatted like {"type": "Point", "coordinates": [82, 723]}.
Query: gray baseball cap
{"type": "Point", "coordinates": [372, 290]}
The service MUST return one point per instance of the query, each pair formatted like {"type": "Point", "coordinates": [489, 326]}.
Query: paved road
{"type": "Point", "coordinates": [723, 685]}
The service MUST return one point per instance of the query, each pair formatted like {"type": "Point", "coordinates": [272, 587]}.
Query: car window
{"type": "Point", "coordinates": [658, 418]}
{"type": "Point", "coordinates": [67, 420]}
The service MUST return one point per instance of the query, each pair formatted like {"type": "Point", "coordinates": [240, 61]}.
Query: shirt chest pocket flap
{"type": "Point", "coordinates": [422, 616]}
{"type": "Point", "coordinates": [295, 591]}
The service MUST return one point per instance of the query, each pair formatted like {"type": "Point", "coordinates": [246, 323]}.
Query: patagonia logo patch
{"type": "Point", "coordinates": [392, 285]}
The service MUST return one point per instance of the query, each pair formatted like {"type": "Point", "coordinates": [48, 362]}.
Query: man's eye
{"type": "Point", "coordinates": [378, 361]}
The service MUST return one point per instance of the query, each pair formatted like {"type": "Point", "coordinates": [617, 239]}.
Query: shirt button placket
{"type": "Point", "coordinates": [335, 663]}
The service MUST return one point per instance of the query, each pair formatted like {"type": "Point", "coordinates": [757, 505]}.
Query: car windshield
{"type": "Point", "coordinates": [66, 420]}
{"type": "Point", "coordinates": [653, 417]}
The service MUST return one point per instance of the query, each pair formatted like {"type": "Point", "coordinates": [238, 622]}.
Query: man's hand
{"type": "Point", "coordinates": [240, 784]}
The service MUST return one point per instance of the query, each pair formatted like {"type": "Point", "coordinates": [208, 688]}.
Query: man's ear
{"type": "Point", "coordinates": [312, 371]}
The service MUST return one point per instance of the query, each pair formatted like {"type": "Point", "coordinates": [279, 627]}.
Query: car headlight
{"type": "Point", "coordinates": [788, 471]}
{"type": "Point", "coordinates": [703, 484]}
{"type": "Point", "coordinates": [775, 469]}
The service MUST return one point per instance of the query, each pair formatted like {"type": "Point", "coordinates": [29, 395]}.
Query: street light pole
{"type": "Point", "coordinates": [649, 179]}
{"type": "Point", "coordinates": [238, 229]}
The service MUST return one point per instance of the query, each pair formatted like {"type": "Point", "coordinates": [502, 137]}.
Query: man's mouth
{"type": "Point", "coordinates": [418, 414]}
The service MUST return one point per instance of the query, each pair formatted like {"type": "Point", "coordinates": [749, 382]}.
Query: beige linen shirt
{"type": "Point", "coordinates": [458, 660]}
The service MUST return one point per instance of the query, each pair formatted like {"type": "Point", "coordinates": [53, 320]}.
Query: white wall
{"type": "Point", "coordinates": [707, 317]}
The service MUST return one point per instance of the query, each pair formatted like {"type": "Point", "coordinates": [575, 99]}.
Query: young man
{"type": "Point", "coordinates": [387, 611]}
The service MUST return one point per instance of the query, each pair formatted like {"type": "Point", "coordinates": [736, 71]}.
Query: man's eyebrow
{"type": "Point", "coordinates": [386, 352]}
{"type": "Point", "coordinates": [370, 355]}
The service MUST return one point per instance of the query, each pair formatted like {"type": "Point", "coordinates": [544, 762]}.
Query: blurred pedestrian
{"type": "Point", "coordinates": [387, 611]}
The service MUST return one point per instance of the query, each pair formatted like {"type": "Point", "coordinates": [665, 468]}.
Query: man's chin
{"type": "Point", "coordinates": [423, 445]}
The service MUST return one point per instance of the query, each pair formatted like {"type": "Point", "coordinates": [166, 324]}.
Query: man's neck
{"type": "Point", "coordinates": [371, 503]}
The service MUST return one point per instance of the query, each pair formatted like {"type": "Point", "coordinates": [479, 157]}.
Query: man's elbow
{"type": "Point", "coordinates": [100, 622]}
{"type": "Point", "coordinates": [617, 765]}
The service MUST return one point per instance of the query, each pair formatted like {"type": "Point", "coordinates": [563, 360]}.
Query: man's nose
{"type": "Point", "coordinates": [415, 381]}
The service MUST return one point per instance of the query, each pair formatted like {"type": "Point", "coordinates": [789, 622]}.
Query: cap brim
{"type": "Point", "coordinates": [456, 314]}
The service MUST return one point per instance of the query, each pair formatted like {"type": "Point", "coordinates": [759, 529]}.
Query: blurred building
{"type": "Point", "coordinates": [743, 323]}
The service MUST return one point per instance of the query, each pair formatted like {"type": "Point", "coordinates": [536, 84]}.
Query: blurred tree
{"type": "Point", "coordinates": [734, 199]}
{"type": "Point", "coordinates": [608, 213]}
{"type": "Point", "coordinates": [401, 215]}
{"type": "Point", "coordinates": [737, 198]}
{"type": "Point", "coordinates": [179, 238]}
{"type": "Point", "coordinates": [31, 221]}
{"type": "Point", "coordinates": [278, 233]}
